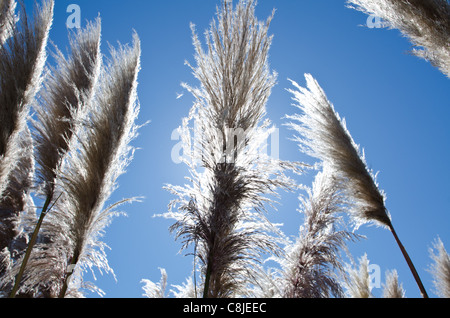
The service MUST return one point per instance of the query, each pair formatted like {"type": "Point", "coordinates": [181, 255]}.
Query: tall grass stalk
{"type": "Point", "coordinates": [22, 59]}
{"type": "Point", "coordinates": [323, 135]}
{"type": "Point", "coordinates": [222, 211]}
{"type": "Point", "coordinates": [68, 90]}
{"type": "Point", "coordinates": [91, 173]}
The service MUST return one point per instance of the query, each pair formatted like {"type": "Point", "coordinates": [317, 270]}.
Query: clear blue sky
{"type": "Point", "coordinates": [397, 108]}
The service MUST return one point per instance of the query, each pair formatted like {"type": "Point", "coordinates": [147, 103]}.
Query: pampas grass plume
{"type": "Point", "coordinates": [426, 23]}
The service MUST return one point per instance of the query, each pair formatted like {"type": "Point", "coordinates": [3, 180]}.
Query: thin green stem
{"type": "Point", "coordinates": [30, 246]}
{"type": "Point", "coordinates": [207, 280]}
{"type": "Point", "coordinates": [195, 270]}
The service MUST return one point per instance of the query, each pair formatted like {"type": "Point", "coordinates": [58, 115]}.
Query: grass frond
{"type": "Point", "coordinates": [323, 135]}
{"type": "Point", "coordinates": [158, 290]}
{"type": "Point", "coordinates": [357, 282]}
{"type": "Point", "coordinates": [22, 60]}
{"type": "Point", "coordinates": [7, 19]}
{"type": "Point", "coordinates": [312, 264]}
{"type": "Point", "coordinates": [392, 288]}
{"type": "Point", "coordinates": [230, 178]}
{"type": "Point", "coordinates": [426, 23]}
{"type": "Point", "coordinates": [105, 152]}
{"type": "Point", "coordinates": [440, 269]}
{"type": "Point", "coordinates": [68, 90]}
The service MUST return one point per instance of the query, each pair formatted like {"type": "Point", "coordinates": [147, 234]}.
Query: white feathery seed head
{"type": "Point", "coordinates": [426, 23]}
{"type": "Point", "coordinates": [323, 135]}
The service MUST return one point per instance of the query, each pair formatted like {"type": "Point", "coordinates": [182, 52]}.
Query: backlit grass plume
{"type": "Point", "coordinates": [7, 18]}
{"type": "Point", "coordinates": [426, 23]}
{"type": "Point", "coordinates": [14, 208]}
{"type": "Point", "coordinates": [67, 94]}
{"type": "Point", "coordinates": [323, 135]}
{"type": "Point", "coordinates": [88, 176]}
{"type": "Point", "coordinates": [310, 267]}
{"type": "Point", "coordinates": [440, 269]}
{"type": "Point", "coordinates": [357, 280]}
{"type": "Point", "coordinates": [221, 213]}
{"type": "Point", "coordinates": [22, 59]}
{"type": "Point", "coordinates": [158, 290]}
{"type": "Point", "coordinates": [69, 90]}
{"type": "Point", "coordinates": [392, 288]}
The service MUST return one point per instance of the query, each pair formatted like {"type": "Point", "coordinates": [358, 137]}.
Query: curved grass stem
{"type": "Point", "coordinates": [408, 260]}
